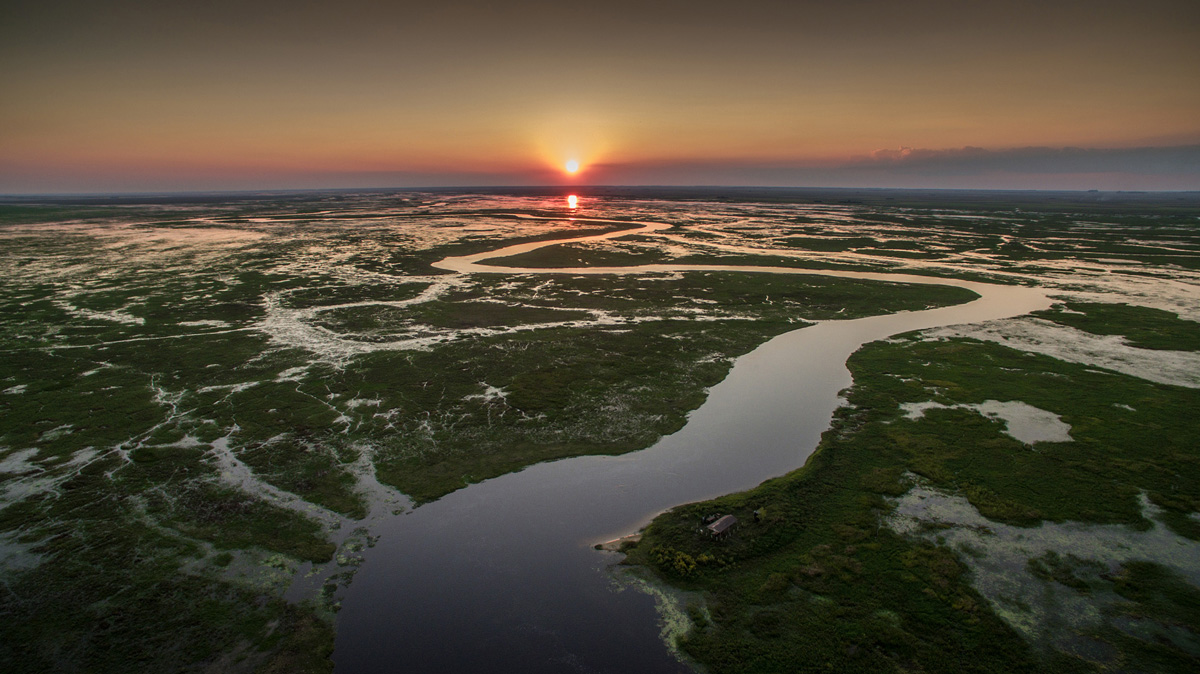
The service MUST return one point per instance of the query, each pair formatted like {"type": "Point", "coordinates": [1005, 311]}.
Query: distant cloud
{"type": "Point", "coordinates": [891, 155]}
{"type": "Point", "coordinates": [1175, 160]}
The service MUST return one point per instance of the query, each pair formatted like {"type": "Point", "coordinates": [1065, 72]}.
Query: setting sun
{"type": "Point", "coordinates": [572, 166]}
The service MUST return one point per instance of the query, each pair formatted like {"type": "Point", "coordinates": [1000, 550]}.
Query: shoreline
{"type": "Point", "coordinates": [616, 544]}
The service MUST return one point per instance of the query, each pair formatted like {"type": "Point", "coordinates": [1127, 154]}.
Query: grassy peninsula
{"type": "Point", "coordinates": [932, 540]}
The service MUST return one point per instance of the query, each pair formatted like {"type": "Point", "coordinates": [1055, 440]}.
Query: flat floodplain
{"type": "Point", "coordinates": [211, 410]}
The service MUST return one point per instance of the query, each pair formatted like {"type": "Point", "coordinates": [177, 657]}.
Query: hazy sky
{"type": "Point", "coordinates": [215, 94]}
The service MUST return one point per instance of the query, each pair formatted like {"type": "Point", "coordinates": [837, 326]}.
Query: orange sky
{"type": "Point", "coordinates": [135, 96]}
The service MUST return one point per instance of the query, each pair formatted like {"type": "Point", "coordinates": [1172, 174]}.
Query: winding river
{"type": "Point", "coordinates": [501, 576]}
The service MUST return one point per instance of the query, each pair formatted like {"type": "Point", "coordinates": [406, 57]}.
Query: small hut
{"type": "Point", "coordinates": [722, 526]}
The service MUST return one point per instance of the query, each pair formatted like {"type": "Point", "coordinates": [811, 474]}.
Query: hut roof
{"type": "Point", "coordinates": [722, 525]}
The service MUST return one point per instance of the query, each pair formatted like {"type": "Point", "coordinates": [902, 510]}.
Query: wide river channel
{"type": "Point", "coordinates": [501, 576]}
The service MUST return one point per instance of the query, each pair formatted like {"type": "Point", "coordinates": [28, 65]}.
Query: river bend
{"type": "Point", "coordinates": [501, 576]}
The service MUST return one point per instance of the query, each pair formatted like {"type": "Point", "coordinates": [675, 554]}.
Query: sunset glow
{"type": "Point", "coordinates": [572, 201]}
{"type": "Point", "coordinates": [1002, 95]}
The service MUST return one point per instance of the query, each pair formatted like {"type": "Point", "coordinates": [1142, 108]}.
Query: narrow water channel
{"type": "Point", "coordinates": [501, 576]}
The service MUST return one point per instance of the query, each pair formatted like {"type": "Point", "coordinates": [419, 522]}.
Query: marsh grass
{"type": "Point", "coordinates": [1142, 327]}
{"type": "Point", "coordinates": [819, 566]}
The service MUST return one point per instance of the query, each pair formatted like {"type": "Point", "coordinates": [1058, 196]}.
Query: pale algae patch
{"type": "Point", "coordinates": [182, 238]}
{"type": "Point", "coordinates": [671, 604]}
{"type": "Point", "coordinates": [1003, 560]}
{"type": "Point", "coordinates": [18, 462]}
{"type": "Point", "coordinates": [207, 323]}
{"type": "Point", "coordinates": [234, 473]}
{"type": "Point", "coordinates": [490, 394]}
{"type": "Point", "coordinates": [355, 403]}
{"type": "Point", "coordinates": [1022, 421]}
{"type": "Point", "coordinates": [115, 316]}
{"type": "Point", "coordinates": [28, 479]}
{"type": "Point", "coordinates": [1111, 352]}
{"type": "Point", "coordinates": [263, 571]}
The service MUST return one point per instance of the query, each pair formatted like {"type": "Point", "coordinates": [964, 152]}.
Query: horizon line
{"type": "Point", "coordinates": [564, 189]}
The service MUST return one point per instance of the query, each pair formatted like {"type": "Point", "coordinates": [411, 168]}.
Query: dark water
{"type": "Point", "coordinates": [501, 577]}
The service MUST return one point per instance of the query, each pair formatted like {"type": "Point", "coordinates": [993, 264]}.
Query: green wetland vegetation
{"type": "Point", "coordinates": [202, 403]}
{"type": "Point", "coordinates": [1142, 327]}
{"type": "Point", "coordinates": [815, 578]}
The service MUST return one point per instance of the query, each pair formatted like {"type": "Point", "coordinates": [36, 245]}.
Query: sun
{"type": "Point", "coordinates": [572, 166]}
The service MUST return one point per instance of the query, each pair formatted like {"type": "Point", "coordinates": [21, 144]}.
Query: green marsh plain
{"type": "Point", "coordinates": [205, 406]}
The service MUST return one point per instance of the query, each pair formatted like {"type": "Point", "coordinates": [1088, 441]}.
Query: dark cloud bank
{"type": "Point", "coordinates": [1142, 168]}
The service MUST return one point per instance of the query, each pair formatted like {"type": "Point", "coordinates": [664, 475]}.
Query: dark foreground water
{"type": "Point", "coordinates": [501, 576]}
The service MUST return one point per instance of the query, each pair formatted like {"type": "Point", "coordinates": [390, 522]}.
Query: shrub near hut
{"type": "Point", "coordinates": [675, 562]}
{"type": "Point", "coordinates": [679, 563]}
